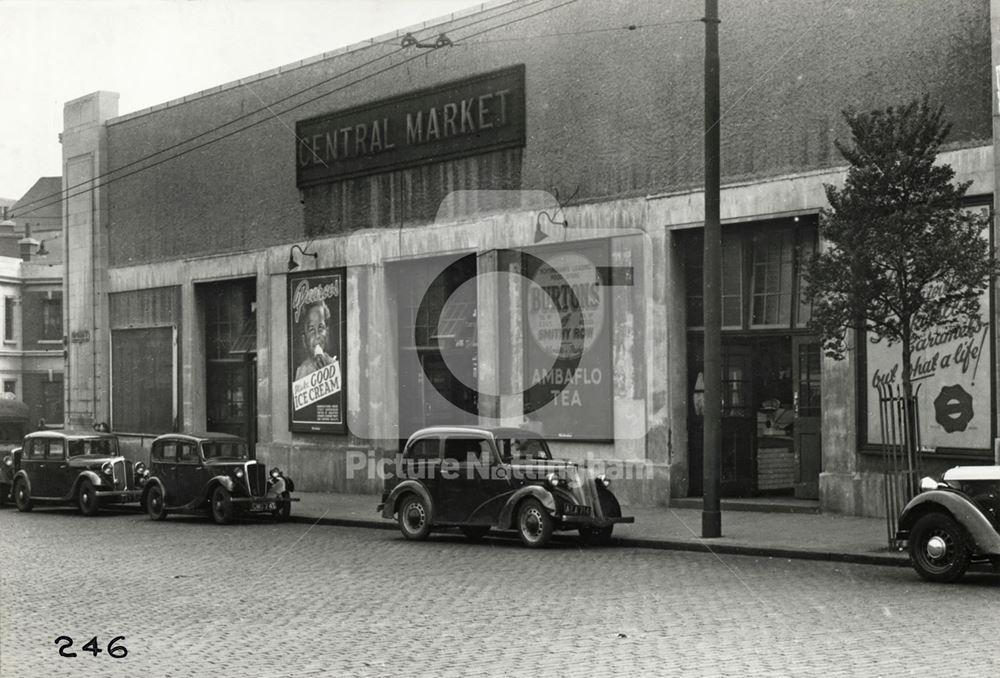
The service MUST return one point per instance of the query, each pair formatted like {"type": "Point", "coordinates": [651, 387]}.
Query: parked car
{"type": "Point", "coordinates": [192, 472]}
{"type": "Point", "coordinates": [480, 478]}
{"type": "Point", "coordinates": [67, 467]}
{"type": "Point", "coordinates": [14, 421]}
{"type": "Point", "coordinates": [953, 523]}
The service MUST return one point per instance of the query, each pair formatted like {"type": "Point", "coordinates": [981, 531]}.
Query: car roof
{"type": "Point", "coordinates": [484, 431]}
{"type": "Point", "coordinates": [72, 435]}
{"type": "Point", "coordinates": [202, 437]}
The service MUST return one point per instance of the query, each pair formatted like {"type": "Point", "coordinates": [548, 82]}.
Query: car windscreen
{"type": "Point", "coordinates": [105, 447]}
{"type": "Point", "coordinates": [521, 449]}
{"type": "Point", "coordinates": [224, 450]}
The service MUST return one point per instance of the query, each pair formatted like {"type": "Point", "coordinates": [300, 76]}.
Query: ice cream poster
{"type": "Point", "coordinates": [316, 338]}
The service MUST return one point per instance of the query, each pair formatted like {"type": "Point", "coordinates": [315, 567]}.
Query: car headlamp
{"type": "Point", "coordinates": [553, 480]}
{"type": "Point", "coordinates": [140, 469]}
{"type": "Point", "coordinates": [275, 473]}
{"type": "Point", "coordinates": [238, 473]}
{"type": "Point", "coordinates": [106, 468]}
{"type": "Point", "coordinates": [7, 461]}
{"type": "Point", "coordinates": [603, 480]}
{"type": "Point", "coordinates": [927, 483]}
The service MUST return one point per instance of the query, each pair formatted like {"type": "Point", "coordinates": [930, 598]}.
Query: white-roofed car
{"type": "Point", "coordinates": [478, 478]}
{"type": "Point", "coordinates": [953, 523]}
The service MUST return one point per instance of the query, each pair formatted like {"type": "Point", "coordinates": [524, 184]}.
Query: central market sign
{"type": "Point", "coordinates": [461, 118]}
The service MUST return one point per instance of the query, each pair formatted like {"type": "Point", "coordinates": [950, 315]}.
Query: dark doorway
{"type": "Point", "coordinates": [762, 438]}
{"type": "Point", "coordinates": [231, 357]}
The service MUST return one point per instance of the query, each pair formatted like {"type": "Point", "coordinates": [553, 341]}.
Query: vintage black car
{"type": "Point", "coordinates": [189, 472]}
{"type": "Point", "coordinates": [505, 478]}
{"type": "Point", "coordinates": [14, 418]}
{"type": "Point", "coordinates": [65, 467]}
{"type": "Point", "coordinates": [953, 523]}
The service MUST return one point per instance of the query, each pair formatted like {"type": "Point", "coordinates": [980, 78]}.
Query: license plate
{"type": "Point", "coordinates": [576, 510]}
{"type": "Point", "coordinates": [264, 506]}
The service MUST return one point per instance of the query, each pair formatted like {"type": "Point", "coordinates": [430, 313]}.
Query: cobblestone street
{"type": "Point", "coordinates": [265, 600]}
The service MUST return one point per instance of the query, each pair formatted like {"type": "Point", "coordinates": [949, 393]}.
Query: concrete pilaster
{"type": "Point", "coordinates": [85, 220]}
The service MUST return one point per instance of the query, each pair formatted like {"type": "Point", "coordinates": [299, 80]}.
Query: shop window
{"type": "Point", "coordinates": [8, 318]}
{"type": "Point", "coordinates": [52, 327]}
{"type": "Point", "coordinates": [772, 279]}
{"type": "Point", "coordinates": [806, 250]}
{"type": "Point", "coordinates": [762, 271]}
{"type": "Point", "coordinates": [732, 281]}
{"type": "Point", "coordinates": [10, 386]}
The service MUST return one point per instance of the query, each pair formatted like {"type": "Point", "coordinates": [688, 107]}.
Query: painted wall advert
{"type": "Point", "coordinates": [952, 369]}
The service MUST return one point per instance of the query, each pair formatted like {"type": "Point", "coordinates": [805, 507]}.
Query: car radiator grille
{"type": "Point", "coordinates": [256, 478]}
{"type": "Point", "coordinates": [122, 470]}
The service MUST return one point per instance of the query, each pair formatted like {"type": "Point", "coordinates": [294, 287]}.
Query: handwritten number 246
{"type": "Point", "coordinates": [116, 651]}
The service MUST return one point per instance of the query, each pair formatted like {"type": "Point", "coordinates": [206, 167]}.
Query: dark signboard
{"type": "Point", "coordinates": [317, 340]}
{"type": "Point", "coordinates": [456, 119]}
{"type": "Point", "coordinates": [567, 342]}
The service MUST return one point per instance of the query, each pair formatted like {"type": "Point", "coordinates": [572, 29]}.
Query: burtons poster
{"type": "Point", "coordinates": [567, 344]}
{"type": "Point", "coordinates": [316, 340]}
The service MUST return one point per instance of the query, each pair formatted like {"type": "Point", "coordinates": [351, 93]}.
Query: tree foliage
{"type": "Point", "coordinates": [901, 254]}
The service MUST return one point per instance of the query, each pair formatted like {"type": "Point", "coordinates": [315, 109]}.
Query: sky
{"type": "Point", "coordinates": [152, 51]}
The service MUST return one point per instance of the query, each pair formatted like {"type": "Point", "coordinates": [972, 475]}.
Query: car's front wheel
{"type": "Point", "coordinates": [222, 506]}
{"type": "Point", "coordinates": [21, 497]}
{"type": "Point", "coordinates": [87, 498]}
{"type": "Point", "coordinates": [155, 506]}
{"type": "Point", "coordinates": [414, 517]}
{"type": "Point", "coordinates": [939, 548]}
{"type": "Point", "coordinates": [534, 524]}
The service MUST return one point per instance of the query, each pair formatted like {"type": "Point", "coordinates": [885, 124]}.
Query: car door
{"type": "Point", "coordinates": [59, 475]}
{"type": "Point", "coordinates": [164, 460]}
{"type": "Point", "coordinates": [470, 490]}
{"type": "Point", "coordinates": [421, 462]}
{"type": "Point", "coordinates": [189, 473]}
{"type": "Point", "coordinates": [34, 465]}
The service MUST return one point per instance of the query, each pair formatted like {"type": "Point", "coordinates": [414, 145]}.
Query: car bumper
{"type": "Point", "coordinates": [261, 504]}
{"type": "Point", "coordinates": [591, 521]}
{"type": "Point", "coordinates": [122, 496]}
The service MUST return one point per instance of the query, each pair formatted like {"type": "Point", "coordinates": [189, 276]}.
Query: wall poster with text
{"type": "Point", "coordinates": [953, 370]}
{"type": "Point", "coordinates": [317, 339]}
{"type": "Point", "coordinates": [568, 342]}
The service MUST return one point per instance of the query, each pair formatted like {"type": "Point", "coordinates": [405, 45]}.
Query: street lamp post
{"type": "Point", "coordinates": [711, 515]}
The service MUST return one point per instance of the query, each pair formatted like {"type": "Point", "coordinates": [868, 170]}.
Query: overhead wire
{"type": "Point", "coordinates": [610, 29]}
{"type": "Point", "coordinates": [64, 194]}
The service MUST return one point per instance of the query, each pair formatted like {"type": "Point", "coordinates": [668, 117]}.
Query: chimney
{"type": "Point", "coordinates": [28, 244]}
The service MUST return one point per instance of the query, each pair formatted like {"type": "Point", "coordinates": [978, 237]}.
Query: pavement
{"type": "Point", "coordinates": [791, 535]}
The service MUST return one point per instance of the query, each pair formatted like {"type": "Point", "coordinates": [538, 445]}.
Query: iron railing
{"type": "Point", "coordinates": [902, 457]}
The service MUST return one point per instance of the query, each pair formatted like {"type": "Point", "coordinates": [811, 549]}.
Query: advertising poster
{"type": "Point", "coordinates": [316, 342]}
{"type": "Point", "coordinates": [567, 344]}
{"type": "Point", "coordinates": [952, 369]}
